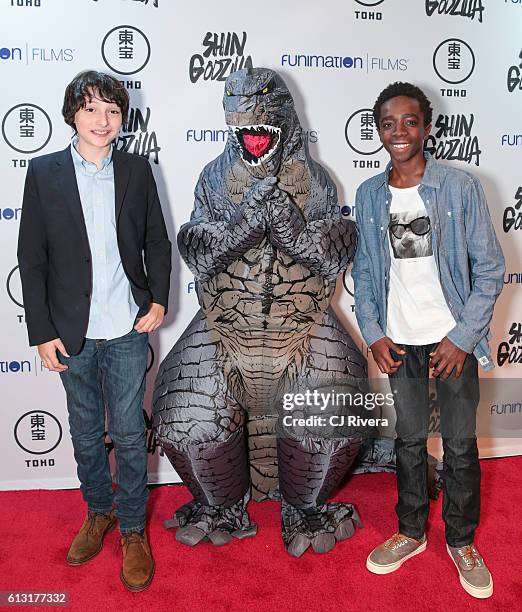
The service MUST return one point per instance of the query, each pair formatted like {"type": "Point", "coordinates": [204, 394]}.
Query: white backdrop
{"type": "Point", "coordinates": [335, 56]}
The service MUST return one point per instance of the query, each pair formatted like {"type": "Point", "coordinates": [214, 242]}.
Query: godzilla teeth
{"type": "Point", "coordinates": [260, 128]}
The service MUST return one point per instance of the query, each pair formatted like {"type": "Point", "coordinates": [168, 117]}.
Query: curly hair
{"type": "Point", "coordinates": [84, 85]}
{"type": "Point", "coordinates": [403, 89]}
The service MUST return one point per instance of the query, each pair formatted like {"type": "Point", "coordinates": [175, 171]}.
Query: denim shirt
{"type": "Point", "coordinates": [466, 249]}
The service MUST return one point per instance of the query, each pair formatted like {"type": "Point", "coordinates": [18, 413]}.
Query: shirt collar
{"type": "Point", "coordinates": [80, 161]}
{"type": "Point", "coordinates": [430, 178]}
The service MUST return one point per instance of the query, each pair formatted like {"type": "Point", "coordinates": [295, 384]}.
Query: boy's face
{"type": "Point", "coordinates": [98, 123]}
{"type": "Point", "coordinates": [401, 128]}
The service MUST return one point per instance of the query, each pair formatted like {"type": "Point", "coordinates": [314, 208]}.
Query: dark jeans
{"type": "Point", "coordinates": [458, 399]}
{"type": "Point", "coordinates": [110, 374]}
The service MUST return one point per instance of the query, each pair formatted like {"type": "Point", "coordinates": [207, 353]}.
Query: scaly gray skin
{"type": "Point", "coordinates": [266, 244]}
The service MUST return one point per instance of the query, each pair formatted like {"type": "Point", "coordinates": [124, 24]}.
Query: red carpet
{"type": "Point", "coordinates": [36, 528]}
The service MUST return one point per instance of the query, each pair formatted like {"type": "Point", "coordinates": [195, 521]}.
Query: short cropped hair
{"type": "Point", "coordinates": [81, 89]}
{"type": "Point", "coordinates": [403, 89]}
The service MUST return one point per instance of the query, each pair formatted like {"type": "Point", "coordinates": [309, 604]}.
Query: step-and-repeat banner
{"type": "Point", "coordinates": [173, 57]}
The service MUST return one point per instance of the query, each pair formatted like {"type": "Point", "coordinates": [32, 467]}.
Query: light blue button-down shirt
{"type": "Point", "coordinates": [467, 252]}
{"type": "Point", "coordinates": [113, 309]}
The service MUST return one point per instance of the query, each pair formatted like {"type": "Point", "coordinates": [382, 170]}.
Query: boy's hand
{"type": "Point", "coordinates": [445, 358]}
{"type": "Point", "coordinates": [152, 320]}
{"type": "Point", "coordinates": [381, 354]}
{"type": "Point", "coordinates": [47, 352]}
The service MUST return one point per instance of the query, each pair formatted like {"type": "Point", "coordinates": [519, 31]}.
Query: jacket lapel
{"type": "Point", "coordinates": [69, 188]}
{"type": "Point", "coordinates": [121, 179]}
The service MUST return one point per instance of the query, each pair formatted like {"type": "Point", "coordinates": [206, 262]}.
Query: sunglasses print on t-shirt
{"type": "Point", "coordinates": [410, 234]}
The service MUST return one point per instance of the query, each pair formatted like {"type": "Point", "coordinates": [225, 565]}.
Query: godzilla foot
{"type": "Point", "coordinates": [320, 526]}
{"type": "Point", "coordinates": [196, 523]}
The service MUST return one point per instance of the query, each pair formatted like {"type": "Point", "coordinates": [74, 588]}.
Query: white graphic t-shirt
{"type": "Point", "coordinates": [417, 311]}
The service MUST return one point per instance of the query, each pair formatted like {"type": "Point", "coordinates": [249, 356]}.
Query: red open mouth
{"type": "Point", "coordinates": [257, 142]}
{"type": "Point", "coordinates": [257, 145]}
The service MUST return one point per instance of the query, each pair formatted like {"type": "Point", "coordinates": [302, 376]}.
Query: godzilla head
{"type": "Point", "coordinates": [260, 114]}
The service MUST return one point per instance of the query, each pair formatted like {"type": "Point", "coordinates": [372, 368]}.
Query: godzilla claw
{"type": "Point", "coordinates": [197, 523]}
{"type": "Point", "coordinates": [356, 518]}
{"type": "Point", "coordinates": [323, 542]}
{"type": "Point", "coordinates": [298, 545]}
{"type": "Point", "coordinates": [190, 535]}
{"type": "Point", "coordinates": [250, 532]}
{"type": "Point", "coordinates": [345, 530]}
{"type": "Point", "coordinates": [171, 523]}
{"type": "Point", "coordinates": [219, 537]}
{"type": "Point", "coordinates": [321, 526]}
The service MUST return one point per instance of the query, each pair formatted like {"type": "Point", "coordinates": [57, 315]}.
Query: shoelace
{"type": "Point", "coordinates": [92, 521]}
{"type": "Point", "coordinates": [395, 541]}
{"type": "Point", "coordinates": [471, 556]}
{"type": "Point", "coordinates": [133, 538]}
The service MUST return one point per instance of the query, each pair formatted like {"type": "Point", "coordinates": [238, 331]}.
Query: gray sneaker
{"type": "Point", "coordinates": [474, 575]}
{"type": "Point", "coordinates": [389, 556]}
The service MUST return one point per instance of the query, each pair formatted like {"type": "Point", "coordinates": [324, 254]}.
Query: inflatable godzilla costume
{"type": "Point", "coordinates": [266, 244]}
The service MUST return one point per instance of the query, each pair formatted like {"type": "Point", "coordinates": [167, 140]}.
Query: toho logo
{"type": "Point", "coordinates": [125, 50]}
{"type": "Point", "coordinates": [348, 283]}
{"type": "Point", "coordinates": [38, 432]}
{"type": "Point", "coordinates": [361, 132]}
{"type": "Point", "coordinates": [454, 61]}
{"type": "Point", "coordinates": [14, 287]}
{"type": "Point", "coordinates": [369, 14]}
{"type": "Point", "coordinates": [26, 3]}
{"type": "Point", "coordinates": [26, 128]}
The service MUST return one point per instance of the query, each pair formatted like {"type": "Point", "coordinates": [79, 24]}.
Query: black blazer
{"type": "Point", "coordinates": [53, 248]}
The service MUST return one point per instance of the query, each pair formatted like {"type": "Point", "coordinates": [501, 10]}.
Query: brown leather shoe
{"type": "Point", "coordinates": [138, 565]}
{"type": "Point", "coordinates": [89, 540]}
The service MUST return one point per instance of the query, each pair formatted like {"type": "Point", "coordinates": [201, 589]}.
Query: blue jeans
{"type": "Point", "coordinates": [110, 374]}
{"type": "Point", "coordinates": [458, 399]}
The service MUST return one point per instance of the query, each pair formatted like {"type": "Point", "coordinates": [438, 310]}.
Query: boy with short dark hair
{"type": "Point", "coordinates": [90, 215]}
{"type": "Point", "coordinates": [427, 273]}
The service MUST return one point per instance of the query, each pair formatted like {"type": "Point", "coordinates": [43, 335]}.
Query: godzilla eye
{"type": "Point", "coordinates": [229, 93]}
{"type": "Point", "coordinates": [264, 90]}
